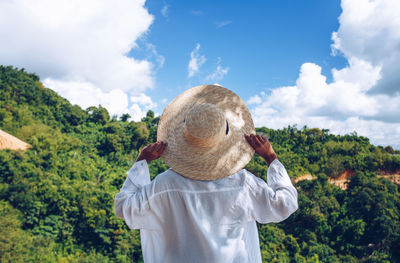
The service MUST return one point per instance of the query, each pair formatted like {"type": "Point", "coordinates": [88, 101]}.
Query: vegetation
{"type": "Point", "coordinates": [56, 199]}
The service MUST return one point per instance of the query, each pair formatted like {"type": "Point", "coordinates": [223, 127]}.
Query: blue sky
{"type": "Point", "coordinates": [263, 43]}
{"type": "Point", "coordinates": [330, 64]}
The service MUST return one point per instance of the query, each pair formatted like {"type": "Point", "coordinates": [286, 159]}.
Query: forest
{"type": "Point", "coordinates": [56, 199]}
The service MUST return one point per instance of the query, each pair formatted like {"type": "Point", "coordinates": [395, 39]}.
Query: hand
{"type": "Point", "coordinates": [152, 151]}
{"type": "Point", "coordinates": [262, 147]}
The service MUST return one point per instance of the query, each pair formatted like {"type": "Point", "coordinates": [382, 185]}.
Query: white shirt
{"type": "Point", "coordinates": [185, 220]}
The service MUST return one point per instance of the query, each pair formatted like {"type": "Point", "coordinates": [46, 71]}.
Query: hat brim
{"type": "Point", "coordinates": [227, 157]}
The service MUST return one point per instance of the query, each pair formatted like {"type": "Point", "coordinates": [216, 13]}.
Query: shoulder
{"type": "Point", "coordinates": [167, 177]}
{"type": "Point", "coordinates": [252, 181]}
{"type": "Point", "coordinates": [171, 180]}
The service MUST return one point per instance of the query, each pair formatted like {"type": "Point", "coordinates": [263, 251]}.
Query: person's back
{"type": "Point", "coordinates": [185, 220]}
{"type": "Point", "coordinates": [205, 208]}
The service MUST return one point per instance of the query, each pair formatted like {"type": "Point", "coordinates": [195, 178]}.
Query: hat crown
{"type": "Point", "coordinates": [204, 128]}
{"type": "Point", "coordinates": [204, 124]}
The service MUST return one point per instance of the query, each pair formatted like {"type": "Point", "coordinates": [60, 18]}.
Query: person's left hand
{"type": "Point", "coordinates": [261, 146]}
{"type": "Point", "coordinates": [152, 151]}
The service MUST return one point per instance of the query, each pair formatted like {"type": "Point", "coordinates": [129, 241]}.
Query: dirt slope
{"type": "Point", "coordinates": [342, 180]}
{"type": "Point", "coordinates": [8, 141]}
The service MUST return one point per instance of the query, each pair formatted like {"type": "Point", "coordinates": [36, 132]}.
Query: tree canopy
{"type": "Point", "coordinates": [56, 199]}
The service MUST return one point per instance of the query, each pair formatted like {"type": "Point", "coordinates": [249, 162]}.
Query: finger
{"type": "Point", "coordinates": [261, 139]}
{"type": "Point", "coordinates": [144, 149]}
{"type": "Point", "coordinates": [266, 138]}
{"type": "Point", "coordinates": [266, 141]}
{"type": "Point", "coordinates": [151, 147]}
{"type": "Point", "coordinates": [162, 148]}
{"type": "Point", "coordinates": [248, 139]}
{"type": "Point", "coordinates": [157, 147]}
{"type": "Point", "coordinates": [255, 140]}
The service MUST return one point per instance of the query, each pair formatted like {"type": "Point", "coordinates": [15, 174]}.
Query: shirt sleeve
{"type": "Point", "coordinates": [131, 203]}
{"type": "Point", "coordinates": [275, 201]}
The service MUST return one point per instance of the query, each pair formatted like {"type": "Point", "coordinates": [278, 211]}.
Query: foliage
{"type": "Point", "coordinates": [56, 199]}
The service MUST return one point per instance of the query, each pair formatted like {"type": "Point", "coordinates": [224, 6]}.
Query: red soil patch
{"type": "Point", "coordinates": [395, 178]}
{"type": "Point", "coordinates": [308, 177]}
{"type": "Point", "coordinates": [343, 179]}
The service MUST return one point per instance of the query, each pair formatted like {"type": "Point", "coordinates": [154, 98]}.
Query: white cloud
{"type": "Point", "coordinates": [370, 31]}
{"type": "Point", "coordinates": [86, 94]}
{"type": "Point", "coordinates": [362, 97]}
{"type": "Point", "coordinates": [196, 61]}
{"type": "Point", "coordinates": [223, 23]}
{"type": "Point", "coordinates": [254, 100]}
{"type": "Point", "coordinates": [115, 101]}
{"type": "Point", "coordinates": [159, 59]}
{"type": "Point", "coordinates": [144, 100]}
{"type": "Point", "coordinates": [83, 44]}
{"type": "Point", "coordinates": [312, 87]}
{"type": "Point", "coordinates": [141, 103]}
{"type": "Point", "coordinates": [136, 112]}
{"type": "Point", "coordinates": [165, 10]}
{"type": "Point", "coordinates": [342, 106]}
{"type": "Point", "coordinates": [218, 74]}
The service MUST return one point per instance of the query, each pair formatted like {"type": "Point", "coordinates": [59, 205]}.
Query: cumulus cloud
{"type": "Point", "coordinates": [196, 61]}
{"type": "Point", "coordinates": [370, 31]}
{"type": "Point", "coordinates": [140, 105]}
{"type": "Point", "coordinates": [312, 95]}
{"type": "Point", "coordinates": [144, 100]}
{"type": "Point", "coordinates": [342, 106]}
{"type": "Point", "coordinates": [363, 96]}
{"type": "Point", "coordinates": [86, 94]}
{"type": "Point", "coordinates": [255, 99]}
{"type": "Point", "coordinates": [80, 47]}
{"type": "Point", "coordinates": [115, 101]}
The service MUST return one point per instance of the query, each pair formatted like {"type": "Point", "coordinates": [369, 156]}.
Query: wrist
{"type": "Point", "coordinates": [140, 158]}
{"type": "Point", "coordinates": [269, 158]}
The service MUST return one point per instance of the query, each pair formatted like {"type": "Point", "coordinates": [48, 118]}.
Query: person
{"type": "Point", "coordinates": [205, 207]}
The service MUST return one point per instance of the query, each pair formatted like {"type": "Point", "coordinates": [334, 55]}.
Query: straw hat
{"type": "Point", "coordinates": [204, 128]}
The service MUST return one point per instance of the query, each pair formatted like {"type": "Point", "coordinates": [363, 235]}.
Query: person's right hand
{"type": "Point", "coordinates": [261, 146]}
{"type": "Point", "coordinates": [152, 151]}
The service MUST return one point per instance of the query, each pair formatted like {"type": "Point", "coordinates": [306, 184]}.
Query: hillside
{"type": "Point", "coordinates": [56, 199]}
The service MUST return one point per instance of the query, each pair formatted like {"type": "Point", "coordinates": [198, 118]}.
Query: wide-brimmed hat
{"type": "Point", "coordinates": [204, 128]}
